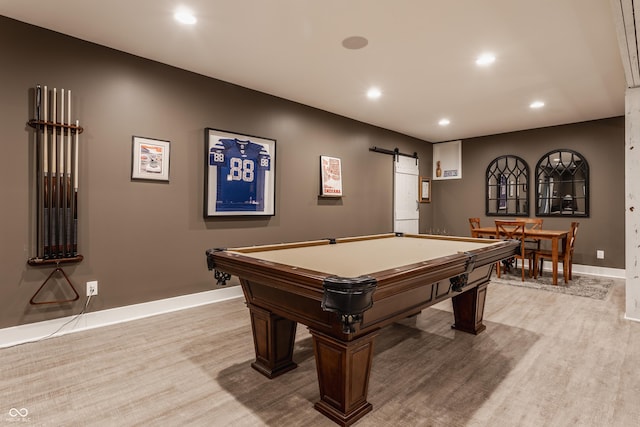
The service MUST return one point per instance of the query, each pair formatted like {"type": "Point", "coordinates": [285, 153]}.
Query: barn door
{"type": "Point", "coordinates": [405, 195]}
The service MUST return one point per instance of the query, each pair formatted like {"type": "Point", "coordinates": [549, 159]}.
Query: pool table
{"type": "Point", "coordinates": [344, 290]}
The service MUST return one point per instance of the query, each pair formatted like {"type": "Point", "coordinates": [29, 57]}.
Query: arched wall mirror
{"type": "Point", "coordinates": [562, 184]}
{"type": "Point", "coordinates": [507, 191]}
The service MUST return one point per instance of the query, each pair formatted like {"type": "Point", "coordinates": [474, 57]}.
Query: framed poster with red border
{"type": "Point", "coordinates": [330, 176]}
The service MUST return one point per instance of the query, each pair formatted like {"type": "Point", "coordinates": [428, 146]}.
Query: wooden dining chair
{"type": "Point", "coordinates": [514, 230]}
{"type": "Point", "coordinates": [566, 255]}
{"type": "Point", "coordinates": [532, 224]}
{"type": "Point", "coordinates": [473, 224]}
{"type": "Point", "coordinates": [535, 223]}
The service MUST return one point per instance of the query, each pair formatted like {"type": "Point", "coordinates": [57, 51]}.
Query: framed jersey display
{"type": "Point", "coordinates": [240, 174]}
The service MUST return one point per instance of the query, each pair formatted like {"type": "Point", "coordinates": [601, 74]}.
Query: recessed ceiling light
{"type": "Point", "coordinates": [486, 59]}
{"type": "Point", "coordinates": [374, 93]}
{"type": "Point", "coordinates": [536, 104]}
{"type": "Point", "coordinates": [444, 122]}
{"type": "Point", "coordinates": [355, 42]}
{"type": "Point", "coordinates": [185, 17]}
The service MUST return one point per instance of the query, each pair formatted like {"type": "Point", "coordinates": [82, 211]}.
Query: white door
{"type": "Point", "coordinates": [405, 195]}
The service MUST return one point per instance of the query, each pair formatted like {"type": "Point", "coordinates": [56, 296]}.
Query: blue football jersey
{"type": "Point", "coordinates": [241, 167]}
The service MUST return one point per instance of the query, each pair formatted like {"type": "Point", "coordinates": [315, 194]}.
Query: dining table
{"type": "Point", "coordinates": [556, 237]}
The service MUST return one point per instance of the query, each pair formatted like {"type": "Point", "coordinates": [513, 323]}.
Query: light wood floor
{"type": "Point", "coordinates": [545, 359]}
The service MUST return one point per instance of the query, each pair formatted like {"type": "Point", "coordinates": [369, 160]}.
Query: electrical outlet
{"type": "Point", "coordinates": [599, 254]}
{"type": "Point", "coordinates": [92, 288]}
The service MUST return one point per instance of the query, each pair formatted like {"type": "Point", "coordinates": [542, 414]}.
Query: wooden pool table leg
{"type": "Point", "coordinates": [343, 376]}
{"type": "Point", "coordinates": [468, 309]}
{"type": "Point", "coordinates": [273, 339]}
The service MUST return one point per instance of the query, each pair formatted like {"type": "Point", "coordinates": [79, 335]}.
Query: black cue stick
{"type": "Point", "coordinates": [63, 180]}
{"type": "Point", "coordinates": [40, 175]}
{"type": "Point", "coordinates": [61, 193]}
{"type": "Point", "coordinates": [67, 181]}
{"type": "Point", "coordinates": [54, 172]}
{"type": "Point", "coordinates": [47, 178]}
{"type": "Point", "coordinates": [74, 202]}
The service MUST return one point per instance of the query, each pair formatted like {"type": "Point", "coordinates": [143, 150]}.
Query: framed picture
{"type": "Point", "coordinates": [150, 159]}
{"type": "Point", "coordinates": [330, 176]}
{"type": "Point", "coordinates": [424, 192]}
{"type": "Point", "coordinates": [239, 174]}
{"type": "Point", "coordinates": [447, 160]}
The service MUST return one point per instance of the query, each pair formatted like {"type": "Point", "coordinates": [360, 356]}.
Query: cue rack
{"type": "Point", "coordinates": [56, 177]}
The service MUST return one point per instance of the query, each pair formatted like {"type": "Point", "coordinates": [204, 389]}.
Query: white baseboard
{"type": "Point", "coordinates": [56, 327]}
{"type": "Point", "coordinates": [589, 270]}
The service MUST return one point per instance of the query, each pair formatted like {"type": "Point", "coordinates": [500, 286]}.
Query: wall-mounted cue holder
{"type": "Point", "coordinates": [56, 151]}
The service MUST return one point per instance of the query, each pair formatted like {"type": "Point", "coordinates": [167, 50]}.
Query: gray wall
{"type": "Point", "coordinates": [601, 142]}
{"type": "Point", "coordinates": [145, 241]}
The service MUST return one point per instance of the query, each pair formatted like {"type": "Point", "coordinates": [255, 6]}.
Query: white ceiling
{"type": "Point", "coordinates": [421, 54]}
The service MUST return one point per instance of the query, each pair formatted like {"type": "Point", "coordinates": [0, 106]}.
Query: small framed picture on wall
{"type": "Point", "coordinates": [150, 159]}
{"type": "Point", "coordinates": [425, 190]}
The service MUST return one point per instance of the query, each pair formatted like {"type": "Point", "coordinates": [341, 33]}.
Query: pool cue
{"type": "Point", "coordinates": [64, 188]}
{"type": "Point", "coordinates": [74, 229]}
{"type": "Point", "coordinates": [67, 182]}
{"type": "Point", "coordinates": [46, 238]}
{"type": "Point", "coordinates": [56, 181]}
{"type": "Point", "coordinates": [40, 174]}
{"type": "Point", "coordinates": [53, 208]}
{"type": "Point", "coordinates": [61, 192]}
